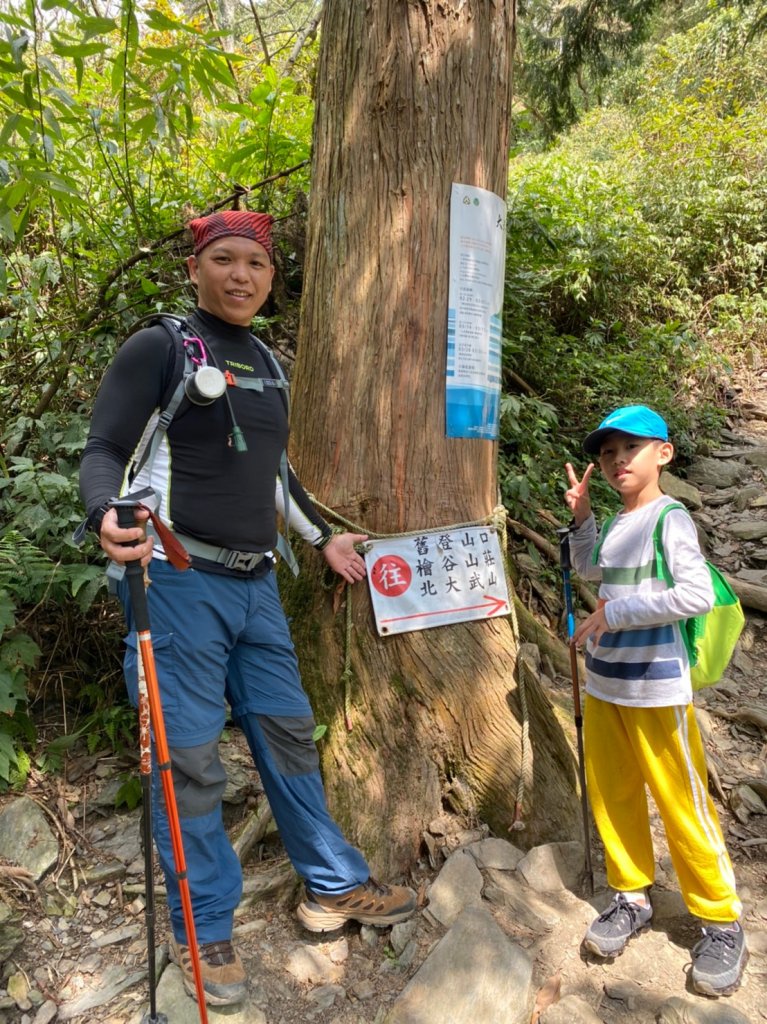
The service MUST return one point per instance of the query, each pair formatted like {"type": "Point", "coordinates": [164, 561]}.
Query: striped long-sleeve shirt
{"type": "Point", "coordinates": [642, 661]}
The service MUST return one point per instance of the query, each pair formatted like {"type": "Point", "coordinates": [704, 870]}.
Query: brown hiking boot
{"type": "Point", "coordinates": [223, 977]}
{"type": "Point", "coordinates": [370, 903]}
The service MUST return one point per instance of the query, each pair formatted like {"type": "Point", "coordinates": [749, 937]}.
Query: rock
{"type": "Point", "coordinates": [749, 495]}
{"type": "Point", "coordinates": [473, 974]}
{"type": "Point", "coordinates": [338, 951]}
{"type": "Point", "coordinates": [120, 837]}
{"type": "Point", "coordinates": [407, 956]}
{"type": "Point", "coordinates": [716, 473]}
{"type": "Point", "coordinates": [757, 576]}
{"type": "Point", "coordinates": [401, 934]}
{"type": "Point", "coordinates": [679, 1011]}
{"type": "Point", "coordinates": [117, 935]}
{"type": "Point", "coordinates": [363, 990]}
{"type": "Point", "coordinates": [570, 1010]}
{"type": "Point", "coordinates": [17, 987]}
{"type": "Point", "coordinates": [309, 964]}
{"type": "Point", "coordinates": [528, 909]}
{"type": "Point", "coordinates": [681, 490]}
{"type": "Point", "coordinates": [756, 457]}
{"type": "Point", "coordinates": [552, 866]}
{"type": "Point", "coordinates": [106, 871]}
{"type": "Point", "coordinates": [326, 996]}
{"type": "Point", "coordinates": [26, 839]}
{"type": "Point", "coordinates": [46, 1012]}
{"type": "Point", "coordinates": [180, 1008]}
{"type": "Point", "coordinates": [111, 983]}
{"type": "Point", "coordinates": [748, 529]}
{"type": "Point", "coordinates": [369, 935]}
{"type": "Point", "coordinates": [11, 935]}
{"type": "Point", "coordinates": [744, 802]}
{"type": "Point", "coordinates": [495, 853]}
{"type": "Point", "coordinates": [627, 992]}
{"type": "Point", "coordinates": [458, 885]}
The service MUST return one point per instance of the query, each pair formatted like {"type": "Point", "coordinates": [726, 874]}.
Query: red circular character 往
{"type": "Point", "coordinates": [391, 575]}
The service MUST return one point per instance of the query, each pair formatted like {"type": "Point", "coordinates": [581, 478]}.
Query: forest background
{"type": "Point", "coordinates": [637, 240]}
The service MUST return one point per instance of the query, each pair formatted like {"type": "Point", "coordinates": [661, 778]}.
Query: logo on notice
{"type": "Point", "coordinates": [391, 575]}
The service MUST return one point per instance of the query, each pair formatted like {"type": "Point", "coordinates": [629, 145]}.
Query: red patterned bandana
{"type": "Point", "coordinates": [257, 226]}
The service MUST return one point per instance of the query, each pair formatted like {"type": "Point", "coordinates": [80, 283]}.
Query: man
{"type": "Point", "coordinates": [219, 631]}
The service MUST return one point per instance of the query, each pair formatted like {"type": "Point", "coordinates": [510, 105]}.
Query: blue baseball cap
{"type": "Point", "coordinates": [629, 419]}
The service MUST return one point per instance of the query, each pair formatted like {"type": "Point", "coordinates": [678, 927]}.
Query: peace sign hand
{"type": "Point", "coordinates": [577, 494]}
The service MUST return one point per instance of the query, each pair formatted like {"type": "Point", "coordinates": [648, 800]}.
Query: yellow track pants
{"type": "Point", "coordinates": [627, 748]}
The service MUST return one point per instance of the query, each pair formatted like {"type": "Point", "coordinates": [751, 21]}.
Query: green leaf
{"type": "Point", "coordinates": [9, 128]}
{"type": "Point", "coordinates": [132, 30]}
{"type": "Point", "coordinates": [159, 22]}
{"type": "Point", "coordinates": [319, 732]}
{"type": "Point", "coordinates": [12, 196]}
{"type": "Point", "coordinates": [52, 5]}
{"type": "Point", "coordinates": [18, 46]}
{"type": "Point", "coordinates": [148, 287]}
{"type": "Point", "coordinates": [76, 50]}
{"type": "Point", "coordinates": [7, 609]}
{"type": "Point", "coordinates": [94, 25]}
{"type": "Point", "coordinates": [20, 650]}
{"type": "Point", "coordinates": [129, 793]}
{"type": "Point", "coordinates": [11, 690]}
{"type": "Point", "coordinates": [8, 754]}
{"type": "Point", "coordinates": [118, 72]}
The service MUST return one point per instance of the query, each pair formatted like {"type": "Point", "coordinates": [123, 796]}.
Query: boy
{"type": "Point", "coordinates": [639, 723]}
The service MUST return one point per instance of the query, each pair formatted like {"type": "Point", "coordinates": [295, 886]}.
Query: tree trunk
{"type": "Point", "coordinates": [411, 96]}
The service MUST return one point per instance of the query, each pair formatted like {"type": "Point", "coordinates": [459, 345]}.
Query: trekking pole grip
{"type": "Point", "coordinates": [564, 548]}
{"type": "Point", "coordinates": [134, 573]}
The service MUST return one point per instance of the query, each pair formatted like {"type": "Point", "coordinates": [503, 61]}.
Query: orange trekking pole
{"type": "Point", "coordinates": [140, 606]}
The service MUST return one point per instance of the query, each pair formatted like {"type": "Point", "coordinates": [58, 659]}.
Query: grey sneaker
{"type": "Point", "coordinates": [608, 934]}
{"type": "Point", "coordinates": [718, 961]}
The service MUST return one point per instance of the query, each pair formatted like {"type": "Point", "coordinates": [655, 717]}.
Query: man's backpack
{"type": "Point", "coordinates": [710, 639]}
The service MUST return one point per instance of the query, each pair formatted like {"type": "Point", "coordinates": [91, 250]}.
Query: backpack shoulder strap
{"type": "Point", "coordinates": [606, 526]}
{"type": "Point", "coordinates": [279, 373]}
{"type": "Point", "coordinates": [283, 543]}
{"type": "Point", "coordinates": [174, 389]}
{"type": "Point", "coordinates": [662, 570]}
{"type": "Point", "coordinates": [688, 628]}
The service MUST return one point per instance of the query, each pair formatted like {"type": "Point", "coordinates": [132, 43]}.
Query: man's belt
{"type": "Point", "coordinates": [242, 561]}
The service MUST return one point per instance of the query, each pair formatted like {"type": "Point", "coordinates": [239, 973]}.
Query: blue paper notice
{"type": "Point", "coordinates": [477, 261]}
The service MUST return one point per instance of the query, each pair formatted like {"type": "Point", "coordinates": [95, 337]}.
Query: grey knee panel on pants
{"type": "Point", "coordinates": [291, 743]}
{"type": "Point", "coordinates": [199, 778]}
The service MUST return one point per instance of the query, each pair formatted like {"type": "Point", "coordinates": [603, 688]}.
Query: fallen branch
{"type": "Point", "coordinates": [530, 629]}
{"type": "Point", "coordinates": [552, 553]}
{"type": "Point", "coordinates": [751, 594]}
{"type": "Point", "coordinates": [253, 831]}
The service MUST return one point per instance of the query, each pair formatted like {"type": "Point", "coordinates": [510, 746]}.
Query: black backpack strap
{"type": "Point", "coordinates": [174, 393]}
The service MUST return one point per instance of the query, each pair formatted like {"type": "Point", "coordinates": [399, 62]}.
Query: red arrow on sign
{"type": "Point", "coordinates": [494, 606]}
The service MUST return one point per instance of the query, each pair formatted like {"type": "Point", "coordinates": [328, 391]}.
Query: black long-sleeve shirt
{"type": "Point", "coordinates": [208, 489]}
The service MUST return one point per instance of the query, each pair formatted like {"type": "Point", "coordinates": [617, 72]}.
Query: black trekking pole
{"type": "Point", "coordinates": [150, 711]}
{"type": "Point", "coordinates": [565, 565]}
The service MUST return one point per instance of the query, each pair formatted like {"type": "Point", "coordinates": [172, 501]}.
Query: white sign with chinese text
{"type": "Point", "coordinates": [436, 578]}
{"type": "Point", "coordinates": [475, 301]}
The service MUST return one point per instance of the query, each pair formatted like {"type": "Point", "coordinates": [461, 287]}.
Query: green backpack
{"type": "Point", "coordinates": [709, 639]}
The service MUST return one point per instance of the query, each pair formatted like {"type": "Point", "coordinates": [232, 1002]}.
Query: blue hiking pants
{"type": "Point", "coordinates": [217, 640]}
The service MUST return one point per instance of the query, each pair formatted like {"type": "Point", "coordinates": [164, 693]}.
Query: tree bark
{"type": "Point", "coordinates": [411, 96]}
